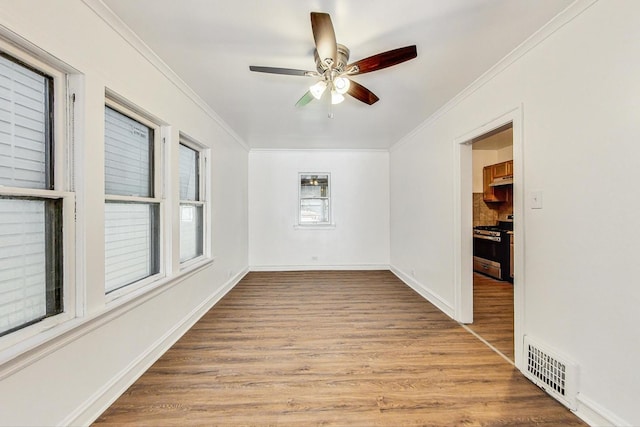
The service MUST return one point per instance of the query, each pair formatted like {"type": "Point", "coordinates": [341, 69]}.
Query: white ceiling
{"type": "Point", "coordinates": [494, 141]}
{"type": "Point", "coordinates": [211, 43]}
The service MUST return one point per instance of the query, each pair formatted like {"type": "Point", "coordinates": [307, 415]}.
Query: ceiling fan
{"type": "Point", "coordinates": [333, 68]}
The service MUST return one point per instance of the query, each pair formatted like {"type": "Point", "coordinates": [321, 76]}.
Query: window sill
{"type": "Point", "coordinates": [195, 263]}
{"type": "Point", "coordinates": [24, 353]}
{"type": "Point", "coordinates": [158, 284]}
{"type": "Point", "coordinates": [315, 227]}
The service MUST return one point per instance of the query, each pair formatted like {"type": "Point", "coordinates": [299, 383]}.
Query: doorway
{"type": "Point", "coordinates": [463, 232]}
{"type": "Point", "coordinates": [492, 199]}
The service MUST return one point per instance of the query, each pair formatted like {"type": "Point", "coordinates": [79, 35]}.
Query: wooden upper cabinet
{"type": "Point", "coordinates": [491, 194]}
{"type": "Point", "coordinates": [496, 194]}
{"type": "Point", "coordinates": [487, 177]}
{"type": "Point", "coordinates": [503, 169]}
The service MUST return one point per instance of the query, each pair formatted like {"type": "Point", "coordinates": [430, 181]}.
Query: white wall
{"type": "Point", "coordinates": [360, 199]}
{"type": "Point", "coordinates": [580, 95]}
{"type": "Point", "coordinates": [72, 378]}
{"type": "Point", "coordinates": [482, 158]}
{"type": "Point", "coordinates": [504, 154]}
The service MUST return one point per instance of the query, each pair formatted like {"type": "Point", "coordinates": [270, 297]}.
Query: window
{"type": "Point", "coordinates": [192, 202]}
{"type": "Point", "coordinates": [315, 199]}
{"type": "Point", "coordinates": [132, 205]}
{"type": "Point", "coordinates": [31, 200]}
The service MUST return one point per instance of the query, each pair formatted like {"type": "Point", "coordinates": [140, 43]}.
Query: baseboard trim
{"type": "Point", "coordinates": [430, 296]}
{"type": "Point", "coordinates": [104, 397]}
{"type": "Point", "coordinates": [318, 267]}
{"type": "Point", "coordinates": [595, 415]}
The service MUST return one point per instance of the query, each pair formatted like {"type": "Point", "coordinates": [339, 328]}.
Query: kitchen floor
{"type": "Point", "coordinates": [493, 312]}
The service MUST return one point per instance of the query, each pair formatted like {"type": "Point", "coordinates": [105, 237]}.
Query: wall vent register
{"type": "Point", "coordinates": [553, 373]}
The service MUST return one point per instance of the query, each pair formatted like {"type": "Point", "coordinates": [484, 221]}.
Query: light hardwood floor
{"type": "Point", "coordinates": [493, 312]}
{"type": "Point", "coordinates": [331, 348]}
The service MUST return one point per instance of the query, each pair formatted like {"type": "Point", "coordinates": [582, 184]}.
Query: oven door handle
{"type": "Point", "coordinates": [492, 238]}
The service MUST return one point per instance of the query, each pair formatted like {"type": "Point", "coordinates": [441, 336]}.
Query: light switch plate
{"type": "Point", "coordinates": [536, 199]}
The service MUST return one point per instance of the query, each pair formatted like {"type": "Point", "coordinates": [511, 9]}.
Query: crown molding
{"type": "Point", "coordinates": [117, 25]}
{"type": "Point", "coordinates": [319, 150]}
{"type": "Point", "coordinates": [556, 23]}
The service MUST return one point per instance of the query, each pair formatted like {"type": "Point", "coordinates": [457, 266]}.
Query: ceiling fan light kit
{"type": "Point", "coordinates": [333, 68]}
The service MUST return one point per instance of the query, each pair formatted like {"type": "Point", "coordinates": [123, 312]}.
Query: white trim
{"type": "Point", "coordinates": [29, 192]}
{"type": "Point", "coordinates": [132, 199]}
{"type": "Point", "coordinates": [97, 403]}
{"type": "Point", "coordinates": [427, 294]}
{"type": "Point", "coordinates": [331, 226]}
{"type": "Point", "coordinates": [132, 111]}
{"type": "Point", "coordinates": [204, 198]}
{"type": "Point", "coordinates": [595, 415]}
{"type": "Point", "coordinates": [19, 49]}
{"type": "Point", "coordinates": [159, 169]}
{"type": "Point", "coordinates": [118, 26]}
{"type": "Point", "coordinates": [567, 15]}
{"type": "Point", "coordinates": [76, 122]}
{"type": "Point", "coordinates": [354, 267]}
{"type": "Point", "coordinates": [195, 262]}
{"type": "Point", "coordinates": [319, 150]}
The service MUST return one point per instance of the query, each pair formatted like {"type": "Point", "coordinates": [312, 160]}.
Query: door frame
{"type": "Point", "coordinates": [463, 223]}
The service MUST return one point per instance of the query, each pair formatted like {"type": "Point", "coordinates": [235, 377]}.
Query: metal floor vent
{"type": "Point", "coordinates": [551, 372]}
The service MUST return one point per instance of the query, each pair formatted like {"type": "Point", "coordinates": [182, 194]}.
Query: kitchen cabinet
{"type": "Point", "coordinates": [490, 268]}
{"type": "Point", "coordinates": [489, 173]}
{"type": "Point", "coordinates": [492, 194]}
{"type": "Point", "coordinates": [502, 169]}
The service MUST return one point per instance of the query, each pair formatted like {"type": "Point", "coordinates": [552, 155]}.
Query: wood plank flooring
{"type": "Point", "coordinates": [331, 348]}
{"type": "Point", "coordinates": [493, 312]}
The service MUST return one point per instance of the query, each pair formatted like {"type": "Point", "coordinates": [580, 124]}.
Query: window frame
{"type": "Point", "coordinates": [60, 154]}
{"type": "Point", "coordinates": [324, 224]}
{"type": "Point", "coordinates": [157, 169]}
{"type": "Point", "coordinates": [204, 173]}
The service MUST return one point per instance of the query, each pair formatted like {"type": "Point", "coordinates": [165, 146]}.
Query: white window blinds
{"type": "Point", "coordinates": [131, 213]}
{"type": "Point", "coordinates": [188, 173]}
{"type": "Point", "coordinates": [22, 262]}
{"type": "Point", "coordinates": [129, 243]}
{"type": "Point", "coordinates": [128, 156]}
{"type": "Point", "coordinates": [191, 205]}
{"type": "Point", "coordinates": [23, 126]}
{"type": "Point", "coordinates": [30, 232]}
{"type": "Point", "coordinates": [314, 199]}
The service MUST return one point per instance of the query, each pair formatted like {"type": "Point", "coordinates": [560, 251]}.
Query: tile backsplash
{"type": "Point", "coordinates": [489, 213]}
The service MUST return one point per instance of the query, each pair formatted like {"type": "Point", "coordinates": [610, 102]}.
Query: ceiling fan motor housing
{"type": "Point", "coordinates": [341, 61]}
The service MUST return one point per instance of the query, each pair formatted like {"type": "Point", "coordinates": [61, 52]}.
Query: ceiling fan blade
{"type": "Point", "coordinates": [287, 71]}
{"type": "Point", "coordinates": [306, 98]}
{"type": "Point", "coordinates": [384, 60]}
{"type": "Point", "coordinates": [324, 36]}
{"type": "Point", "coordinates": [361, 93]}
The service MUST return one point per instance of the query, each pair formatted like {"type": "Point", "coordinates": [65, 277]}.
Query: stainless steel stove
{"type": "Point", "coordinates": [491, 254]}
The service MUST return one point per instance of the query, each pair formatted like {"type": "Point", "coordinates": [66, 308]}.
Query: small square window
{"type": "Point", "coordinates": [315, 199]}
